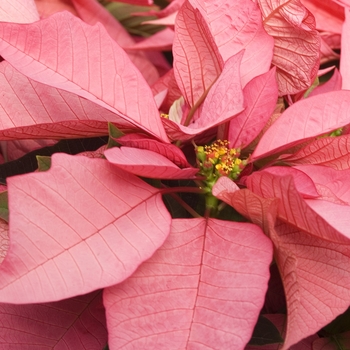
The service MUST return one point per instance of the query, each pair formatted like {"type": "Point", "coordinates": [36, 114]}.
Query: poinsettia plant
{"type": "Point", "coordinates": [215, 215]}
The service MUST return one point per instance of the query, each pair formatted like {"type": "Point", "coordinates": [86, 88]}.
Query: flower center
{"type": "Point", "coordinates": [218, 160]}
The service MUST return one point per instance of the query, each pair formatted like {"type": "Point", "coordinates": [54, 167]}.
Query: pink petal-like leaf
{"type": "Point", "coordinates": [333, 40]}
{"type": "Point", "coordinates": [171, 9]}
{"type": "Point", "coordinates": [336, 181]}
{"type": "Point", "coordinates": [78, 323]}
{"type": "Point", "coordinates": [324, 71]}
{"type": "Point", "coordinates": [303, 183]}
{"type": "Point", "coordinates": [312, 268]}
{"type": "Point", "coordinates": [297, 211]}
{"type": "Point", "coordinates": [333, 84]}
{"type": "Point", "coordinates": [345, 3]}
{"type": "Point", "coordinates": [91, 12]}
{"type": "Point", "coordinates": [195, 292]}
{"type": "Point", "coordinates": [18, 11]}
{"type": "Point", "coordinates": [224, 186]}
{"type": "Point", "coordinates": [168, 150]}
{"type": "Point", "coordinates": [176, 131]}
{"type": "Point", "coordinates": [4, 239]}
{"type": "Point", "coordinates": [80, 226]}
{"type": "Point", "coordinates": [159, 61]}
{"type": "Point", "coordinates": [197, 62]}
{"type": "Point", "coordinates": [315, 280]}
{"type": "Point", "coordinates": [55, 52]}
{"type": "Point", "coordinates": [329, 41]}
{"type": "Point", "coordinates": [237, 25]}
{"type": "Point", "coordinates": [332, 187]}
{"type": "Point", "coordinates": [225, 98]}
{"type": "Point", "coordinates": [297, 43]}
{"type": "Point", "coordinates": [168, 81]}
{"type": "Point", "coordinates": [34, 110]}
{"type": "Point", "coordinates": [47, 8]}
{"type": "Point", "coordinates": [260, 96]}
{"type": "Point", "coordinates": [345, 51]}
{"type": "Point", "coordinates": [333, 152]}
{"type": "Point", "coordinates": [326, 52]}
{"type": "Point", "coordinates": [160, 98]}
{"type": "Point", "coordinates": [257, 209]}
{"type": "Point", "coordinates": [162, 83]}
{"type": "Point", "coordinates": [304, 120]}
{"type": "Point", "coordinates": [136, 2]}
{"type": "Point", "coordinates": [147, 163]}
{"type": "Point", "coordinates": [224, 101]}
{"type": "Point", "coordinates": [164, 21]}
{"type": "Point", "coordinates": [332, 209]}
{"type": "Point", "coordinates": [329, 15]}
{"type": "Point", "coordinates": [162, 41]}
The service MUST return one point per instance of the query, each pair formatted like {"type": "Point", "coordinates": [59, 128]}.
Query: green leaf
{"type": "Point", "coordinates": [4, 209]}
{"type": "Point", "coordinates": [114, 134]}
{"type": "Point", "coordinates": [265, 332]}
{"type": "Point", "coordinates": [340, 325]}
{"type": "Point", "coordinates": [124, 13]}
{"type": "Point", "coordinates": [44, 163]}
{"type": "Point", "coordinates": [312, 87]}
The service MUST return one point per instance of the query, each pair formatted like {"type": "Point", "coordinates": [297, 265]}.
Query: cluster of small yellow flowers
{"type": "Point", "coordinates": [218, 160]}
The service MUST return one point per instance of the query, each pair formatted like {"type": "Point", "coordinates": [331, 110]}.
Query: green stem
{"type": "Point", "coordinates": [211, 204]}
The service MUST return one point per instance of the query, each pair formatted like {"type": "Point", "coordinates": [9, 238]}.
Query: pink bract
{"type": "Point", "coordinates": [219, 199]}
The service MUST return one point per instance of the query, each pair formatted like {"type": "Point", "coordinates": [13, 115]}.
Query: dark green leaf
{"type": "Point", "coordinates": [4, 209]}
{"type": "Point", "coordinates": [340, 325]}
{"type": "Point", "coordinates": [44, 163]}
{"type": "Point", "coordinates": [124, 13]}
{"type": "Point", "coordinates": [265, 332]}
{"type": "Point", "coordinates": [114, 134]}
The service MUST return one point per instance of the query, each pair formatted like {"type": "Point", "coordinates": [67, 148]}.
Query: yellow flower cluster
{"type": "Point", "coordinates": [218, 159]}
